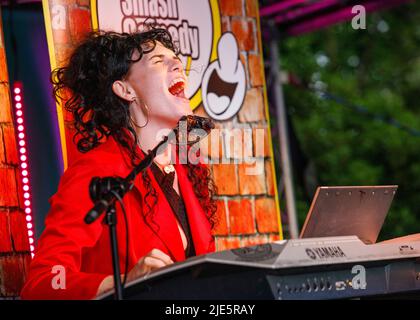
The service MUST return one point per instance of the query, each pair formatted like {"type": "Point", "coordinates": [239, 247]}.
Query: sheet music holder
{"type": "Point", "coordinates": [347, 211]}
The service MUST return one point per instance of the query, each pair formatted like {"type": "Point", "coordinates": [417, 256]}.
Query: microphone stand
{"type": "Point", "coordinates": [106, 191]}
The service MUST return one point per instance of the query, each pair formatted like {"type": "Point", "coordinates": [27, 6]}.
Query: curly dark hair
{"type": "Point", "coordinates": [85, 87]}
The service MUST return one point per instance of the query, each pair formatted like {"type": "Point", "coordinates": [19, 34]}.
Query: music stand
{"type": "Point", "coordinates": [348, 211]}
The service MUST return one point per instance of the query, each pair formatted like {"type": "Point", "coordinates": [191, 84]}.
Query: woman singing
{"type": "Point", "coordinates": [123, 90]}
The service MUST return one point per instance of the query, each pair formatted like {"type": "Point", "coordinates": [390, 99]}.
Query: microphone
{"type": "Point", "coordinates": [192, 128]}
{"type": "Point", "coordinates": [197, 122]}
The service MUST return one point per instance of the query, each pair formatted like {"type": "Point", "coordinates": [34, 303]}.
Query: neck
{"type": "Point", "coordinates": [151, 135]}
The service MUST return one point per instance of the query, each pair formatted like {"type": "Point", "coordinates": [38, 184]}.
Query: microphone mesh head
{"type": "Point", "coordinates": [194, 125]}
{"type": "Point", "coordinates": [197, 122]}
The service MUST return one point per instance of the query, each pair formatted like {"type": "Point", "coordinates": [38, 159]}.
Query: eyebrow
{"type": "Point", "coordinates": [162, 55]}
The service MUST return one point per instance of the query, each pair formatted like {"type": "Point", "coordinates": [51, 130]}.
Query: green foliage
{"type": "Point", "coordinates": [379, 69]}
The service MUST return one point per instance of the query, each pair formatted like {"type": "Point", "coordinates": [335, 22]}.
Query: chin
{"type": "Point", "coordinates": [174, 117]}
{"type": "Point", "coordinates": [183, 107]}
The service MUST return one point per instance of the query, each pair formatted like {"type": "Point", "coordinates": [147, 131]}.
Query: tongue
{"type": "Point", "coordinates": [177, 89]}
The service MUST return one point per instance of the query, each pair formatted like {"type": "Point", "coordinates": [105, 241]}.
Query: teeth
{"type": "Point", "coordinates": [175, 81]}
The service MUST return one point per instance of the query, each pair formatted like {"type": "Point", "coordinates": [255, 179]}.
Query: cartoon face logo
{"type": "Point", "coordinates": [224, 84]}
{"type": "Point", "coordinates": [195, 35]}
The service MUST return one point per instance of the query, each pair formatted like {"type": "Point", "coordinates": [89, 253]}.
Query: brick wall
{"type": "Point", "coordinates": [14, 246]}
{"type": "Point", "coordinates": [247, 213]}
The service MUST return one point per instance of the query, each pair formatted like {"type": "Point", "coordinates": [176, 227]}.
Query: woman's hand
{"type": "Point", "coordinates": [153, 260]}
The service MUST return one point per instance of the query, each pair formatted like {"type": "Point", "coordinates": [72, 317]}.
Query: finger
{"type": "Point", "coordinates": [153, 263]}
{"type": "Point", "coordinates": [161, 255]}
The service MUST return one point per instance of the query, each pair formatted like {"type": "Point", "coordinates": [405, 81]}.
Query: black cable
{"type": "Point", "coordinates": [127, 238]}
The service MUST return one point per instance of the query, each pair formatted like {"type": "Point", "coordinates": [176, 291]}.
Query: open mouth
{"type": "Point", "coordinates": [176, 88]}
{"type": "Point", "coordinates": [220, 93]}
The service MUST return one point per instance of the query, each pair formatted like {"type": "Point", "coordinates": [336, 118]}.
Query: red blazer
{"type": "Point", "coordinates": [84, 250]}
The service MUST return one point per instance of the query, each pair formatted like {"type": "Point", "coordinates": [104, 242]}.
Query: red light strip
{"type": "Point", "coordinates": [23, 160]}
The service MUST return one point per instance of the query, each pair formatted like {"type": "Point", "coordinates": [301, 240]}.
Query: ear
{"type": "Point", "coordinates": [123, 90]}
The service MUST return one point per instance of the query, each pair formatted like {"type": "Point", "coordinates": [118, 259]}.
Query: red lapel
{"type": "Point", "coordinates": [199, 224]}
{"type": "Point", "coordinates": [162, 220]}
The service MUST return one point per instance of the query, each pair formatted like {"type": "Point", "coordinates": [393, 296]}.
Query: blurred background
{"type": "Point", "coordinates": [352, 103]}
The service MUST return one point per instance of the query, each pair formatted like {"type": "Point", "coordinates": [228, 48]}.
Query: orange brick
{"type": "Point", "coordinates": [269, 178]}
{"type": "Point", "coordinates": [221, 227]}
{"type": "Point", "coordinates": [233, 142]}
{"type": "Point", "coordinates": [266, 215]}
{"type": "Point", "coordinates": [62, 54]}
{"type": "Point", "coordinates": [244, 32]}
{"type": "Point", "coordinates": [3, 70]}
{"type": "Point", "coordinates": [5, 103]}
{"type": "Point", "coordinates": [19, 231]}
{"type": "Point", "coordinates": [241, 220]}
{"type": "Point", "coordinates": [64, 2]}
{"type": "Point", "coordinates": [10, 145]}
{"type": "Point", "coordinates": [255, 70]}
{"type": "Point", "coordinates": [248, 143]}
{"type": "Point", "coordinates": [79, 23]}
{"type": "Point", "coordinates": [216, 145]}
{"type": "Point", "coordinates": [259, 137]}
{"type": "Point", "coordinates": [251, 8]}
{"type": "Point", "coordinates": [252, 178]}
{"type": "Point", "coordinates": [21, 199]}
{"type": "Point", "coordinates": [225, 178]}
{"type": "Point", "coordinates": [84, 3]}
{"type": "Point", "coordinates": [61, 36]}
{"type": "Point", "coordinates": [253, 240]}
{"type": "Point", "coordinates": [14, 274]}
{"type": "Point", "coordinates": [253, 107]}
{"type": "Point", "coordinates": [223, 243]}
{"type": "Point", "coordinates": [5, 239]}
{"type": "Point", "coordinates": [226, 124]}
{"type": "Point", "coordinates": [231, 7]}
{"type": "Point", "coordinates": [2, 148]}
{"type": "Point", "coordinates": [8, 189]}
{"type": "Point", "coordinates": [243, 56]}
{"type": "Point", "coordinates": [212, 145]}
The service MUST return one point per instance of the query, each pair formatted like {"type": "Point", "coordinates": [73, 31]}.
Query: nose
{"type": "Point", "coordinates": [177, 66]}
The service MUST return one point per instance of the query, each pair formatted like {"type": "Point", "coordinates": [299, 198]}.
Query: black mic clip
{"type": "Point", "coordinates": [102, 192]}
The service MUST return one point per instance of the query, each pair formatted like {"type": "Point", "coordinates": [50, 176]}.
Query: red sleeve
{"type": "Point", "coordinates": [64, 238]}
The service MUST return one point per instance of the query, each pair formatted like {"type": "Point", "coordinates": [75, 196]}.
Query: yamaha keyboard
{"type": "Point", "coordinates": [316, 268]}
